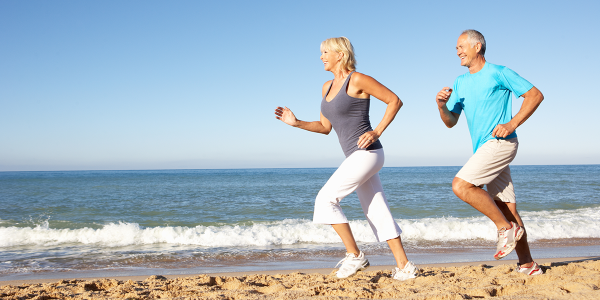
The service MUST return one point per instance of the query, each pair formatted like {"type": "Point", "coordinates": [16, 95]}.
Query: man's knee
{"type": "Point", "coordinates": [460, 186]}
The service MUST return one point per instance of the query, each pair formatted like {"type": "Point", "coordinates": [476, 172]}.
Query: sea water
{"type": "Point", "coordinates": [103, 223]}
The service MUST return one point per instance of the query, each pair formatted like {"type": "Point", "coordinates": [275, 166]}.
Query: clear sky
{"type": "Point", "coordinates": [93, 85]}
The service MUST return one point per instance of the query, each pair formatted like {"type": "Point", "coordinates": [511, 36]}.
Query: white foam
{"type": "Point", "coordinates": [579, 223]}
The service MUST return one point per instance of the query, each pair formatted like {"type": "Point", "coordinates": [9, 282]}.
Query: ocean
{"type": "Point", "coordinates": [105, 223]}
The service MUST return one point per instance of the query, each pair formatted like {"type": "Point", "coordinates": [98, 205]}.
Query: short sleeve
{"type": "Point", "coordinates": [454, 104]}
{"type": "Point", "coordinates": [513, 82]}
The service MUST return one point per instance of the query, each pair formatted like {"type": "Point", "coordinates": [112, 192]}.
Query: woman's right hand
{"type": "Point", "coordinates": [286, 115]}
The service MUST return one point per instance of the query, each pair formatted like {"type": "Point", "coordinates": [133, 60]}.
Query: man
{"type": "Point", "coordinates": [484, 94]}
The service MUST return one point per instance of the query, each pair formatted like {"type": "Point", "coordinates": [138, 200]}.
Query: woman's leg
{"type": "Point", "coordinates": [377, 212]}
{"type": "Point", "coordinates": [376, 209]}
{"type": "Point", "coordinates": [345, 233]}
{"type": "Point", "coordinates": [353, 172]}
{"type": "Point", "coordinates": [398, 251]}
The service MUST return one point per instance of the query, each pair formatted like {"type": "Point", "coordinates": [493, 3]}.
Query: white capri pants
{"type": "Point", "coordinates": [358, 173]}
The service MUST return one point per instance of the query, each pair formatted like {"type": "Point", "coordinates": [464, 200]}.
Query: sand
{"type": "Point", "coordinates": [562, 280]}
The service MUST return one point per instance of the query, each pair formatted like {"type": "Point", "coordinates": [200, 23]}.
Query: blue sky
{"type": "Point", "coordinates": [193, 84]}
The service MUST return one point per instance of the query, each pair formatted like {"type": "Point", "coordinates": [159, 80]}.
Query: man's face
{"type": "Point", "coordinates": [465, 52]}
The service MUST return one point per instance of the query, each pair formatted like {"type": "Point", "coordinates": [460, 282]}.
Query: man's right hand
{"type": "Point", "coordinates": [443, 96]}
{"type": "Point", "coordinates": [449, 118]}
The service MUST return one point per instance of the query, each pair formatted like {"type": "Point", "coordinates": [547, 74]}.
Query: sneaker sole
{"type": "Point", "coordinates": [537, 271]}
{"type": "Point", "coordinates": [509, 250]}
{"type": "Point", "coordinates": [363, 267]}
{"type": "Point", "coordinates": [412, 276]}
{"type": "Point", "coordinates": [533, 273]}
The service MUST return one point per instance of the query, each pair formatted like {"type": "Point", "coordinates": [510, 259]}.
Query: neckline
{"type": "Point", "coordinates": [484, 66]}
{"type": "Point", "coordinates": [342, 88]}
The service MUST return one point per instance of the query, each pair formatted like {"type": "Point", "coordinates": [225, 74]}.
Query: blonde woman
{"type": "Point", "coordinates": [345, 108]}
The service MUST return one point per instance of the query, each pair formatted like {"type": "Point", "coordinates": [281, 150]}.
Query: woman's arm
{"type": "Point", "coordinates": [287, 116]}
{"type": "Point", "coordinates": [361, 86]}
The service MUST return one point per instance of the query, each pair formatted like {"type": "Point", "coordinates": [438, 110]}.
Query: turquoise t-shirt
{"type": "Point", "coordinates": [486, 99]}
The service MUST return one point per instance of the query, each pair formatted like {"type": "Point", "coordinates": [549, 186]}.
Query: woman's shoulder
{"type": "Point", "coordinates": [326, 86]}
{"type": "Point", "coordinates": [360, 78]}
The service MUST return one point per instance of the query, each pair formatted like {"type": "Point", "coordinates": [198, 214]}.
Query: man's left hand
{"type": "Point", "coordinates": [503, 130]}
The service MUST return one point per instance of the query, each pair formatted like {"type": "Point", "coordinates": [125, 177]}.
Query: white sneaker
{"type": "Point", "coordinates": [408, 272]}
{"type": "Point", "coordinates": [351, 264]}
{"type": "Point", "coordinates": [507, 240]}
{"type": "Point", "coordinates": [533, 270]}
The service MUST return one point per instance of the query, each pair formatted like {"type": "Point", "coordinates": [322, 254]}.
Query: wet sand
{"type": "Point", "coordinates": [567, 278]}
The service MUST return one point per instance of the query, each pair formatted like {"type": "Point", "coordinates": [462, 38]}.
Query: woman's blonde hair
{"type": "Point", "coordinates": [341, 44]}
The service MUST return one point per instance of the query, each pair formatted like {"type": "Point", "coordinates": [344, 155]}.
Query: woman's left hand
{"type": "Point", "coordinates": [367, 139]}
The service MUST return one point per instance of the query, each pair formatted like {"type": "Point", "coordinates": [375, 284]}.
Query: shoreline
{"type": "Point", "coordinates": [323, 271]}
{"type": "Point", "coordinates": [564, 278]}
{"type": "Point", "coordinates": [380, 259]}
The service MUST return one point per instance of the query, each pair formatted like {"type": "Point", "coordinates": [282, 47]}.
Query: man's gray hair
{"type": "Point", "coordinates": [475, 37]}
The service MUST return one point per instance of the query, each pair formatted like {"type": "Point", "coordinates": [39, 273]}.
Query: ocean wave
{"type": "Point", "coordinates": [558, 224]}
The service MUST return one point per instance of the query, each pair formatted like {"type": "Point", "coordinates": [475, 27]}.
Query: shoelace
{"type": "Point", "coordinates": [343, 260]}
{"type": "Point", "coordinates": [501, 236]}
{"type": "Point", "coordinates": [398, 271]}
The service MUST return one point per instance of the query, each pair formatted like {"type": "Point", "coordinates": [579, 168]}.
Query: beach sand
{"type": "Point", "coordinates": [569, 278]}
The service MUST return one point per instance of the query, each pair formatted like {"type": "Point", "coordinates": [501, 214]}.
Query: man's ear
{"type": "Point", "coordinates": [478, 47]}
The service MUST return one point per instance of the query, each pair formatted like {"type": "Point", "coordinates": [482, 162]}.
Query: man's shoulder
{"type": "Point", "coordinates": [491, 73]}
{"type": "Point", "coordinates": [502, 74]}
{"type": "Point", "coordinates": [461, 77]}
{"type": "Point", "coordinates": [496, 68]}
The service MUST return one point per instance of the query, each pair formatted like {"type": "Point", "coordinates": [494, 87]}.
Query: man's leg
{"type": "Point", "coordinates": [488, 162]}
{"type": "Point", "coordinates": [502, 190]}
{"type": "Point", "coordinates": [480, 200]}
{"type": "Point", "coordinates": [484, 167]}
{"type": "Point", "coordinates": [522, 249]}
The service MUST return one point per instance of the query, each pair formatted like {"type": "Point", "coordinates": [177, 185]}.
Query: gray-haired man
{"type": "Point", "coordinates": [485, 96]}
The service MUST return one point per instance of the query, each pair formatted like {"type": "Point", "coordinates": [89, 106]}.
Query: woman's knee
{"type": "Point", "coordinates": [323, 197]}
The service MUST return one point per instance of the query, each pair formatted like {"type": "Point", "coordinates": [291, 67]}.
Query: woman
{"type": "Point", "coordinates": [345, 107]}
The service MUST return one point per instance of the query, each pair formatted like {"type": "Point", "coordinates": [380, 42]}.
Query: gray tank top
{"type": "Point", "coordinates": [349, 117]}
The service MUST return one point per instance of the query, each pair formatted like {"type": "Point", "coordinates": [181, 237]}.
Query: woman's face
{"type": "Point", "coordinates": [330, 59]}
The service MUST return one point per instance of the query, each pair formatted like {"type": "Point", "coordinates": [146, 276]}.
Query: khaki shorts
{"type": "Point", "coordinates": [489, 166]}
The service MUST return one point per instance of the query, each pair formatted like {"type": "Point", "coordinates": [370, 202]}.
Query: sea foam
{"type": "Point", "coordinates": [557, 224]}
